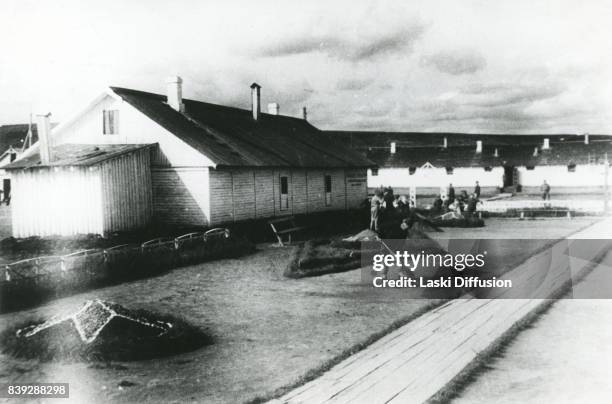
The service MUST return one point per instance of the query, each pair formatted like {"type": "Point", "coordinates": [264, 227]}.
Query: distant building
{"type": "Point", "coordinates": [430, 161]}
{"type": "Point", "coordinates": [205, 165]}
{"type": "Point", "coordinates": [14, 140]}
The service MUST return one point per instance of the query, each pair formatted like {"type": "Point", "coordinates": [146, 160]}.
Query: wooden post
{"type": "Point", "coordinates": [606, 175]}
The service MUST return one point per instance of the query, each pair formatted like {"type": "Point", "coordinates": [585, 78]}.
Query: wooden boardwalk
{"type": "Point", "coordinates": [416, 361]}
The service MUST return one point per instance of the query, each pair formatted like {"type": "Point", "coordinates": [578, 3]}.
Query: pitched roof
{"type": "Point", "coordinates": [512, 155]}
{"type": "Point", "coordinates": [77, 155]}
{"type": "Point", "coordinates": [14, 135]}
{"type": "Point", "coordinates": [231, 137]}
{"type": "Point", "coordinates": [365, 140]}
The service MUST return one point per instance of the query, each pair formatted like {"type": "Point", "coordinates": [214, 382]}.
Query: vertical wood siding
{"type": "Point", "coordinates": [181, 196]}
{"type": "Point", "coordinates": [127, 194]}
{"type": "Point", "coordinates": [63, 201]}
{"type": "Point", "coordinates": [112, 196]}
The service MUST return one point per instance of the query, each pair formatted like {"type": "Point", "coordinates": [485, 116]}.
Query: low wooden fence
{"type": "Point", "coordinates": [72, 272]}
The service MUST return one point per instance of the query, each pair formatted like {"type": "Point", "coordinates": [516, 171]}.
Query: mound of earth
{"type": "Point", "coordinates": [103, 331]}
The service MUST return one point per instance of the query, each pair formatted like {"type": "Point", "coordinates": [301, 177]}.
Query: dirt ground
{"type": "Point", "coordinates": [269, 330]}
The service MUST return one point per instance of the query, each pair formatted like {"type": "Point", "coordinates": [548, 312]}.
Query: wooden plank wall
{"type": "Point", "coordinates": [356, 188]}
{"type": "Point", "coordinates": [126, 191]}
{"type": "Point", "coordinates": [242, 194]}
{"type": "Point", "coordinates": [264, 193]}
{"type": "Point", "coordinates": [181, 196]}
{"type": "Point", "coordinates": [61, 201]}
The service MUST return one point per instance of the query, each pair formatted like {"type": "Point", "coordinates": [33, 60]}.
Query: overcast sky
{"type": "Point", "coordinates": [476, 66]}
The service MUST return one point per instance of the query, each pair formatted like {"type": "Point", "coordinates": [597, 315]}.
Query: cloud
{"type": "Point", "coordinates": [507, 94]}
{"type": "Point", "coordinates": [352, 84]}
{"type": "Point", "coordinates": [366, 46]}
{"type": "Point", "coordinates": [455, 62]}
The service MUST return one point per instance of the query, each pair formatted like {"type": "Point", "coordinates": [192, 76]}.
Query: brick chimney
{"type": "Point", "coordinates": [273, 108]}
{"type": "Point", "coordinates": [586, 138]}
{"type": "Point", "coordinates": [256, 100]}
{"type": "Point", "coordinates": [479, 146]}
{"type": "Point", "coordinates": [546, 144]}
{"type": "Point", "coordinates": [174, 88]}
{"type": "Point", "coordinates": [445, 144]}
{"type": "Point", "coordinates": [393, 148]}
{"type": "Point", "coordinates": [44, 137]}
{"type": "Point", "coordinates": [305, 113]}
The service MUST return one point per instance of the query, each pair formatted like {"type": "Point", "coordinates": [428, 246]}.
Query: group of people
{"type": "Point", "coordinates": [461, 204]}
{"type": "Point", "coordinates": [385, 205]}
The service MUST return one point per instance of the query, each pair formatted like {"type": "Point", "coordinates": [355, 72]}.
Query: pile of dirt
{"type": "Point", "coordinates": [102, 331]}
{"type": "Point", "coordinates": [322, 256]}
{"type": "Point", "coordinates": [365, 235]}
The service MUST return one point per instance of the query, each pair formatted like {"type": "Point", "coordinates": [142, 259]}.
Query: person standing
{"type": "Point", "coordinates": [375, 206]}
{"type": "Point", "coordinates": [477, 190]}
{"type": "Point", "coordinates": [451, 193]}
{"type": "Point", "coordinates": [545, 189]}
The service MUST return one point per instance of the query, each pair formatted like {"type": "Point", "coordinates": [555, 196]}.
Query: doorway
{"type": "Point", "coordinates": [510, 176]}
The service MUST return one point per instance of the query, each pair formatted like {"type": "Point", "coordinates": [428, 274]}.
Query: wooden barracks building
{"type": "Point", "coordinates": [133, 157]}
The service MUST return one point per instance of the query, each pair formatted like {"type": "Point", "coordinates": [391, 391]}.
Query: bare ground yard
{"type": "Point", "coordinates": [269, 330]}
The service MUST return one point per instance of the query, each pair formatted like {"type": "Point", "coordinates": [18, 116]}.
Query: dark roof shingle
{"type": "Point", "coordinates": [231, 137]}
{"type": "Point", "coordinates": [77, 155]}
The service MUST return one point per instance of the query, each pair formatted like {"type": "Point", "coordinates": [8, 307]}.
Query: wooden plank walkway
{"type": "Point", "coordinates": [416, 361]}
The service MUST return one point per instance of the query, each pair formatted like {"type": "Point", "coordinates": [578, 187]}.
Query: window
{"type": "Point", "coordinates": [110, 122]}
{"type": "Point", "coordinates": [374, 172]}
{"type": "Point", "coordinates": [530, 168]}
{"type": "Point", "coordinates": [449, 170]}
{"type": "Point", "coordinates": [571, 168]}
{"type": "Point", "coordinates": [328, 190]}
{"type": "Point", "coordinates": [284, 193]}
{"type": "Point", "coordinates": [12, 157]}
{"type": "Point", "coordinates": [488, 168]}
{"type": "Point", "coordinates": [411, 170]}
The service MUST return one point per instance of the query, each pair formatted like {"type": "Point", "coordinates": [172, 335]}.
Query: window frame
{"type": "Point", "coordinates": [284, 196]}
{"type": "Point", "coordinates": [110, 122]}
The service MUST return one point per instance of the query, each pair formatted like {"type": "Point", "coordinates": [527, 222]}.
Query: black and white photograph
{"type": "Point", "coordinates": [348, 201]}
